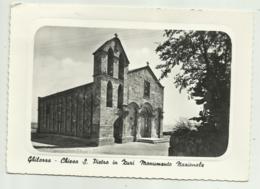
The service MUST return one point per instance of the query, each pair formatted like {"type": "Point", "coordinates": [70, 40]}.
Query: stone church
{"type": "Point", "coordinates": [119, 106]}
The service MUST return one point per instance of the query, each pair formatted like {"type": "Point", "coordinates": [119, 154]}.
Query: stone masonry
{"type": "Point", "coordinates": [120, 105]}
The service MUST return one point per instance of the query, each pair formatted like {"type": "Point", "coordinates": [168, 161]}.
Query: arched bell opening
{"type": "Point", "coordinates": [110, 62]}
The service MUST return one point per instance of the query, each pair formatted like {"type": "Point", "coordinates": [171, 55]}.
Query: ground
{"type": "Point", "coordinates": [131, 148]}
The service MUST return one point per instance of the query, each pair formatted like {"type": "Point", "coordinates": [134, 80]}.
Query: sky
{"type": "Point", "coordinates": [63, 59]}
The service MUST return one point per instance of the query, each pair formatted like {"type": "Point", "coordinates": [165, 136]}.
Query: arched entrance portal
{"type": "Point", "coordinates": [146, 114]}
{"type": "Point", "coordinates": [118, 130]}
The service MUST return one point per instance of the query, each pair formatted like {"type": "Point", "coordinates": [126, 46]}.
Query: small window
{"type": "Point", "coordinates": [120, 97]}
{"type": "Point", "coordinates": [146, 89]}
{"type": "Point", "coordinates": [109, 94]}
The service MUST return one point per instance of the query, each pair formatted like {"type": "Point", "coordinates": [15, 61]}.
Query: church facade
{"type": "Point", "coordinates": [119, 106]}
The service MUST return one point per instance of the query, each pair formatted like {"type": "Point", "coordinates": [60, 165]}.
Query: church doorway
{"type": "Point", "coordinates": [147, 127]}
{"type": "Point", "coordinates": [118, 130]}
{"type": "Point", "coordinates": [147, 116]}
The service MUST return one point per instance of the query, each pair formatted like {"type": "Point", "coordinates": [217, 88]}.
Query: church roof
{"type": "Point", "coordinates": [110, 40]}
{"type": "Point", "coordinates": [149, 70]}
{"type": "Point", "coordinates": [69, 90]}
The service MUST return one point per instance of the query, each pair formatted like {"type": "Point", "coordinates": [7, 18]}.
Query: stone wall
{"type": "Point", "coordinates": [136, 89]}
{"type": "Point", "coordinates": [136, 94]}
{"type": "Point", "coordinates": [83, 112]}
{"type": "Point", "coordinates": [67, 113]}
{"type": "Point", "coordinates": [101, 58]}
{"type": "Point", "coordinates": [105, 117]}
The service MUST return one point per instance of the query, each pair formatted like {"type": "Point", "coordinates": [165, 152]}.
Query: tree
{"type": "Point", "coordinates": [204, 62]}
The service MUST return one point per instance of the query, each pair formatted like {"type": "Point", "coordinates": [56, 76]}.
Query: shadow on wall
{"type": "Point", "coordinates": [59, 141]}
{"type": "Point", "coordinates": [56, 140]}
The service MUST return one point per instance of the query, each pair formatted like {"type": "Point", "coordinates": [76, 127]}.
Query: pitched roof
{"type": "Point", "coordinates": [69, 90]}
{"type": "Point", "coordinates": [150, 71]}
{"type": "Point", "coordinates": [107, 42]}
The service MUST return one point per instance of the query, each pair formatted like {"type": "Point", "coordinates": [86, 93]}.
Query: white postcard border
{"type": "Point", "coordinates": [26, 19]}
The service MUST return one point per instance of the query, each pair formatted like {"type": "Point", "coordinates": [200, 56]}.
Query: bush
{"type": "Point", "coordinates": [191, 139]}
{"type": "Point", "coordinates": [184, 126]}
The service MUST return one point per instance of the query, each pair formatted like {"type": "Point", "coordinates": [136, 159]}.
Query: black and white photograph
{"type": "Point", "coordinates": [131, 91]}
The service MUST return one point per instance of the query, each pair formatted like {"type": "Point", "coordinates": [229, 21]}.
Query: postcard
{"type": "Point", "coordinates": [129, 92]}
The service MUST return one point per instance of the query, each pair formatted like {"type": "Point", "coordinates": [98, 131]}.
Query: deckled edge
{"type": "Point", "coordinates": [16, 4]}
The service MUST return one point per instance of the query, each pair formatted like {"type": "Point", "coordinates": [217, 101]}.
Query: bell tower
{"type": "Point", "coordinates": [110, 90]}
